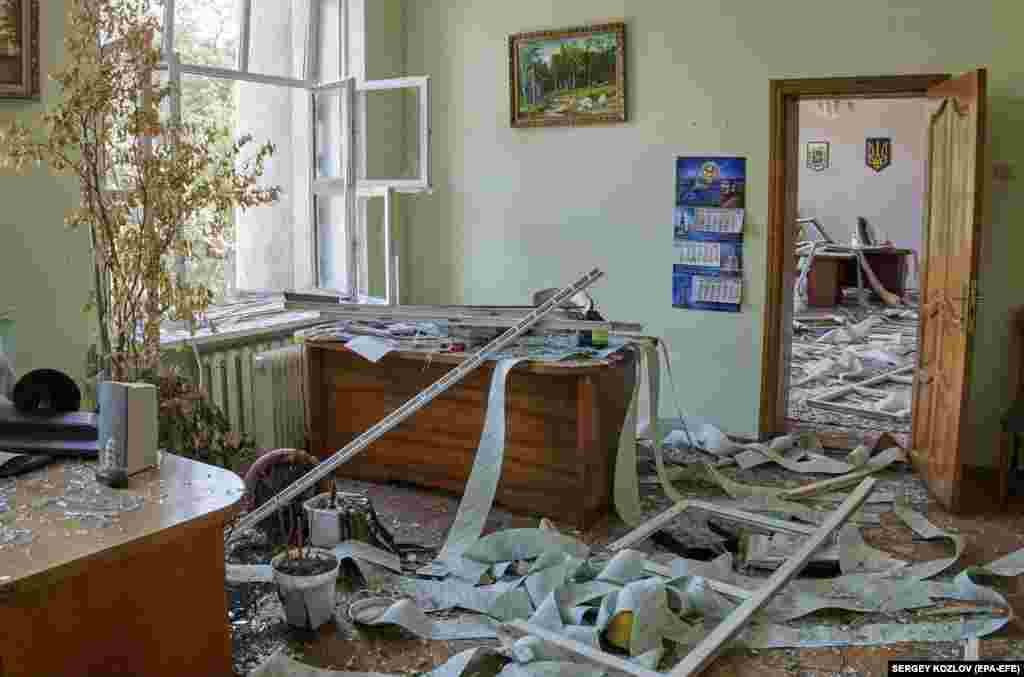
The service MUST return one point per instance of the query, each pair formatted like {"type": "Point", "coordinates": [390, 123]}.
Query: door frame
{"type": "Point", "coordinates": [783, 171]}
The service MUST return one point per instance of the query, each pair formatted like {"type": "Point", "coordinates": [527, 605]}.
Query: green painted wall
{"type": "Point", "coordinates": [44, 269]}
{"type": "Point", "coordinates": [519, 210]}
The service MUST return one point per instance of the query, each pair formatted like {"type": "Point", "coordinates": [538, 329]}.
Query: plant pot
{"type": "Point", "coordinates": [352, 518]}
{"type": "Point", "coordinates": [324, 521]}
{"type": "Point", "coordinates": [308, 600]}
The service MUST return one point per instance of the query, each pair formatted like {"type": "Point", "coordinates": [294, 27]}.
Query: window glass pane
{"type": "Point", "coordinates": [260, 251]}
{"type": "Point", "coordinates": [391, 120]}
{"type": "Point", "coordinates": [328, 135]}
{"type": "Point", "coordinates": [278, 32]}
{"type": "Point", "coordinates": [376, 262]}
{"type": "Point", "coordinates": [329, 41]}
{"type": "Point", "coordinates": [331, 244]}
{"type": "Point", "coordinates": [206, 32]}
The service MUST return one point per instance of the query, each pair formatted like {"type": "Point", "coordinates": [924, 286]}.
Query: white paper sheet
{"type": "Point", "coordinates": [370, 347]}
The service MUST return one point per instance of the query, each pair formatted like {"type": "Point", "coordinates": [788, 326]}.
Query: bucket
{"type": "Point", "coordinates": [308, 600]}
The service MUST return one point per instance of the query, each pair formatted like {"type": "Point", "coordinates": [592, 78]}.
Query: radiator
{"type": "Point", "coordinates": [260, 387]}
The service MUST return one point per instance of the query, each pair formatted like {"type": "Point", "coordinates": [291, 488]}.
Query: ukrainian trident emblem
{"type": "Point", "coordinates": [878, 153]}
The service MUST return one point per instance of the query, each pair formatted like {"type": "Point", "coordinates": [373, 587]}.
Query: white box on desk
{"type": "Point", "coordinates": [128, 415]}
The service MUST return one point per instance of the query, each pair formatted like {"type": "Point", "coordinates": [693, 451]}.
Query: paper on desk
{"type": "Point", "coordinates": [371, 347]}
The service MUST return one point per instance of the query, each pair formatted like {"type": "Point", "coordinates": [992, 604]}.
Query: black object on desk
{"type": "Point", "coordinates": [63, 434]}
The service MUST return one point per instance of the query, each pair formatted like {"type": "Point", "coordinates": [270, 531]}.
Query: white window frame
{"type": "Point", "coordinates": [422, 87]}
{"type": "Point", "coordinates": [352, 88]}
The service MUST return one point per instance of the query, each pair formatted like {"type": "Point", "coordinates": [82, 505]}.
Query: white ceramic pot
{"type": "Point", "coordinates": [308, 600]}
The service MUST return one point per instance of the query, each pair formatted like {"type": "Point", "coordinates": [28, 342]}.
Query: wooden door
{"type": "Point", "coordinates": [954, 204]}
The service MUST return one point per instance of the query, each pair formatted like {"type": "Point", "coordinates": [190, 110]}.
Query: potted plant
{"type": "Point", "coordinates": [336, 516]}
{"type": "Point", "coordinates": [143, 176]}
{"type": "Point", "coordinates": [306, 579]}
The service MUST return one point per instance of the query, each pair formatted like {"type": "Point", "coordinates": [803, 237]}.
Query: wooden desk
{"type": "Point", "coordinates": [890, 266]}
{"type": "Point", "coordinates": [144, 596]}
{"type": "Point", "coordinates": [563, 426]}
{"type": "Point", "coordinates": [833, 271]}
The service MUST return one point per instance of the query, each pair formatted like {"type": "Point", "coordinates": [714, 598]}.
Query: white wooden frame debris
{"type": "Point", "coordinates": [748, 519]}
{"type": "Point", "coordinates": [455, 316]}
{"type": "Point", "coordinates": [701, 655]}
{"type": "Point", "coordinates": [364, 440]}
{"type": "Point", "coordinates": [827, 400]}
{"type": "Point", "coordinates": [753, 601]}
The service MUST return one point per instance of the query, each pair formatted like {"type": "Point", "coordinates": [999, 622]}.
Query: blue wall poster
{"type": "Point", "coordinates": [706, 289]}
{"type": "Point", "coordinates": [707, 233]}
{"type": "Point", "coordinates": [719, 182]}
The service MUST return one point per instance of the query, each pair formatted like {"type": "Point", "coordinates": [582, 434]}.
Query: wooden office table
{"type": "Point", "coordinates": [562, 432]}
{"type": "Point", "coordinates": [144, 596]}
{"type": "Point", "coordinates": [833, 271]}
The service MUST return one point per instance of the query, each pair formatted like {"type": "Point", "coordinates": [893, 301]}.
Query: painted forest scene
{"type": "Point", "coordinates": [568, 77]}
{"type": "Point", "coordinates": [10, 44]}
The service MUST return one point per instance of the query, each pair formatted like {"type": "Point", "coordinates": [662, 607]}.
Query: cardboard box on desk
{"type": "Point", "coordinates": [128, 415]}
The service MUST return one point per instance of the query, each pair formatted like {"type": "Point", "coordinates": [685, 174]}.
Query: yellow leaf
{"type": "Point", "coordinates": [619, 630]}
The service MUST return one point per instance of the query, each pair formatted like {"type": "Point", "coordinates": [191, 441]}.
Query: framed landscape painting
{"type": "Point", "coordinates": [19, 49]}
{"type": "Point", "coordinates": [572, 76]}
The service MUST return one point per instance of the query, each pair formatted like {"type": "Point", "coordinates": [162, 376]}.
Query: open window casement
{"type": "Point", "coordinates": [376, 269]}
{"type": "Point", "coordinates": [351, 142]}
{"type": "Point", "coordinates": [393, 134]}
{"type": "Point", "coordinates": [332, 182]}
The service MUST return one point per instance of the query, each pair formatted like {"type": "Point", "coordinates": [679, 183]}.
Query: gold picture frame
{"type": "Point", "coordinates": [19, 49]}
{"type": "Point", "coordinates": [568, 77]}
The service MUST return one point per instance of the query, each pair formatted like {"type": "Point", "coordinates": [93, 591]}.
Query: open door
{"type": "Point", "coordinates": [954, 208]}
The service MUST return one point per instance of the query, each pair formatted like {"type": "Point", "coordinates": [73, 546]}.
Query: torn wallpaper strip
{"type": "Point", "coordinates": [856, 556]}
{"type": "Point", "coordinates": [406, 614]}
{"type": "Point", "coordinates": [355, 550]}
{"type": "Point", "coordinates": [1010, 565]}
{"type": "Point", "coordinates": [478, 495]}
{"type": "Point", "coordinates": [450, 594]}
{"type": "Point", "coordinates": [625, 481]}
{"type": "Point", "coordinates": [925, 529]}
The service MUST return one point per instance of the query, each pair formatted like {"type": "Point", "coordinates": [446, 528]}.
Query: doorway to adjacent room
{"type": "Point", "coordinates": [953, 209]}
{"type": "Point", "coordinates": [853, 340]}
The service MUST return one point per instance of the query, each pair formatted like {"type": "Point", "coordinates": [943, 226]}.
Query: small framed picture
{"type": "Point", "coordinates": [817, 155]}
{"type": "Point", "coordinates": [19, 49]}
{"type": "Point", "coordinates": [567, 77]}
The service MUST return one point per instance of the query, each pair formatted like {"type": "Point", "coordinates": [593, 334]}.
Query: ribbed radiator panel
{"type": "Point", "coordinates": [260, 388]}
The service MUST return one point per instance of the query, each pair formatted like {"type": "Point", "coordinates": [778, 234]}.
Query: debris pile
{"type": "Point", "coordinates": [558, 606]}
{"type": "Point", "coordinates": [854, 367]}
